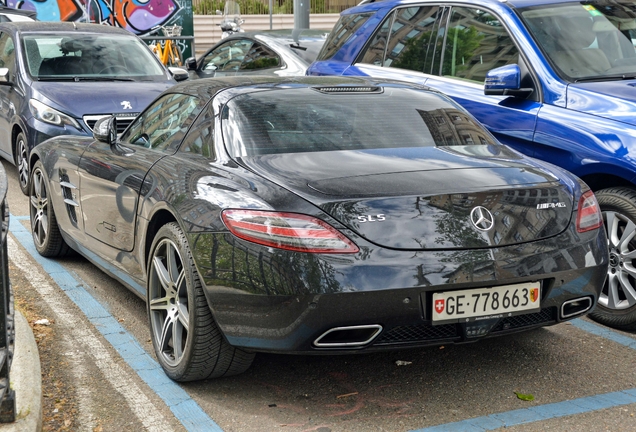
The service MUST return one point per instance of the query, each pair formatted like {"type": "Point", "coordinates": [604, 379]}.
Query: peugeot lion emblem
{"type": "Point", "coordinates": [126, 105]}
{"type": "Point", "coordinates": [482, 218]}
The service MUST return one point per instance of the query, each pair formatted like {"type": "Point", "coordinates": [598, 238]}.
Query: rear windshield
{"type": "Point", "coordinates": [346, 26]}
{"type": "Point", "coordinates": [306, 120]}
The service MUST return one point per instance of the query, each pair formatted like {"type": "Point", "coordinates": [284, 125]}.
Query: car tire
{"type": "Point", "coordinates": [186, 339]}
{"type": "Point", "coordinates": [617, 303]}
{"type": "Point", "coordinates": [22, 162]}
{"type": "Point", "coordinates": [46, 233]}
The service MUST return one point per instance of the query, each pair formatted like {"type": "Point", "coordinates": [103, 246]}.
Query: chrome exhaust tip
{"type": "Point", "coordinates": [352, 336]}
{"type": "Point", "coordinates": [575, 307]}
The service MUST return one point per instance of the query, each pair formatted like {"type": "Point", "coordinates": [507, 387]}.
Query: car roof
{"type": "Point", "coordinates": [380, 4]}
{"type": "Point", "coordinates": [53, 27]}
{"type": "Point", "coordinates": [207, 88]}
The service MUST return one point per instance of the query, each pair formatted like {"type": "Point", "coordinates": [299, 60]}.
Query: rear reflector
{"type": "Point", "coordinates": [589, 215]}
{"type": "Point", "coordinates": [290, 231]}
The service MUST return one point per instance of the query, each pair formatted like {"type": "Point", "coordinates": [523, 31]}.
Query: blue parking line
{"type": "Point", "coordinates": [184, 408]}
{"type": "Point", "coordinates": [553, 410]}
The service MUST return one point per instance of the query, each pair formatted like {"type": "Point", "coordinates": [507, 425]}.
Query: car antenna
{"type": "Point", "coordinates": [295, 34]}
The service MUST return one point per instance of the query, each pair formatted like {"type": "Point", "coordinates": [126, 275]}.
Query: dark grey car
{"type": "Point", "coordinates": [277, 53]}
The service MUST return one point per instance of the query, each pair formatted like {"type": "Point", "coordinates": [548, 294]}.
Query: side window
{"type": "Point", "coordinates": [413, 39]}
{"type": "Point", "coordinates": [200, 139]}
{"type": "Point", "coordinates": [164, 122]}
{"type": "Point", "coordinates": [7, 54]}
{"type": "Point", "coordinates": [476, 42]}
{"type": "Point", "coordinates": [346, 26]}
{"type": "Point", "coordinates": [374, 52]}
{"type": "Point", "coordinates": [260, 57]}
{"type": "Point", "coordinates": [227, 57]}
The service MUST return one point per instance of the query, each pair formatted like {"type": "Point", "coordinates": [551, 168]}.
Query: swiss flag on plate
{"type": "Point", "coordinates": [439, 306]}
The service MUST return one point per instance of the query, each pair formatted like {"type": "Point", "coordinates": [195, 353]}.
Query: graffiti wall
{"type": "Point", "coordinates": [140, 17]}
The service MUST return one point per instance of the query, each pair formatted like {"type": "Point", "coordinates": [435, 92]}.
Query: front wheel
{"type": "Point", "coordinates": [617, 302]}
{"type": "Point", "coordinates": [187, 341]}
{"type": "Point", "coordinates": [46, 233]}
{"type": "Point", "coordinates": [22, 162]}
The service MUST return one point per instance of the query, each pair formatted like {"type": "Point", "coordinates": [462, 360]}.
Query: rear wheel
{"type": "Point", "coordinates": [617, 302]}
{"type": "Point", "coordinates": [22, 162]}
{"type": "Point", "coordinates": [187, 341]}
{"type": "Point", "coordinates": [46, 233]}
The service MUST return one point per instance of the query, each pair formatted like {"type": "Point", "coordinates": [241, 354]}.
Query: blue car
{"type": "Point", "coordinates": [60, 78]}
{"type": "Point", "coordinates": [554, 79]}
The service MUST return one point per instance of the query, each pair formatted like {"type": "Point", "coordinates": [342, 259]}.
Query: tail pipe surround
{"type": "Point", "coordinates": [347, 337]}
{"type": "Point", "coordinates": [576, 307]}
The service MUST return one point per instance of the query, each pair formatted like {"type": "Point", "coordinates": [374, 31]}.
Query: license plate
{"type": "Point", "coordinates": [483, 303]}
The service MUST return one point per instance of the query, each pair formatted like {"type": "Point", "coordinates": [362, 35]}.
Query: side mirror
{"type": "Point", "coordinates": [178, 73]}
{"type": "Point", "coordinates": [4, 76]}
{"type": "Point", "coordinates": [191, 63]}
{"type": "Point", "coordinates": [505, 81]}
{"type": "Point", "coordinates": [105, 130]}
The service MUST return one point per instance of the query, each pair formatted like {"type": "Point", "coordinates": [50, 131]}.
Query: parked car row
{"type": "Point", "coordinates": [259, 210]}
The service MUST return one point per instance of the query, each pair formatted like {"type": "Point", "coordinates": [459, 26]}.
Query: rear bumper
{"type": "Point", "coordinates": [277, 301]}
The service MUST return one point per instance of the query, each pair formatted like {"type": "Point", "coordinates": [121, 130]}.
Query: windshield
{"type": "Point", "coordinates": [307, 120]}
{"type": "Point", "coordinates": [86, 56]}
{"type": "Point", "coordinates": [587, 40]}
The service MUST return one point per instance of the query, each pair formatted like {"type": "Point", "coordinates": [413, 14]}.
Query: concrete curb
{"type": "Point", "coordinates": [26, 380]}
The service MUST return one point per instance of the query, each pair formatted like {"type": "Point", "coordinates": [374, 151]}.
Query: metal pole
{"type": "Point", "coordinates": [301, 14]}
{"type": "Point", "coordinates": [271, 8]}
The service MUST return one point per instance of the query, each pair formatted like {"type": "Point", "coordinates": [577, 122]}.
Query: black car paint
{"type": "Point", "coordinates": [266, 299]}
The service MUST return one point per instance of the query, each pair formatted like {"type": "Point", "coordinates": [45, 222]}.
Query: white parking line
{"type": "Point", "coordinates": [118, 378]}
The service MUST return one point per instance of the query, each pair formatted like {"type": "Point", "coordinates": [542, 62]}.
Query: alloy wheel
{"type": "Point", "coordinates": [39, 208]}
{"type": "Point", "coordinates": [23, 163]}
{"type": "Point", "coordinates": [168, 302]}
{"type": "Point", "coordinates": [619, 290]}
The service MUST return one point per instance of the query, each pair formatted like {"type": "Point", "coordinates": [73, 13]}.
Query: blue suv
{"type": "Point", "coordinates": [553, 79]}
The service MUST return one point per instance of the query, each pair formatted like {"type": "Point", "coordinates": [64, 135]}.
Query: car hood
{"type": "Point", "coordinates": [424, 198]}
{"type": "Point", "coordinates": [99, 97]}
{"type": "Point", "coordinates": [614, 100]}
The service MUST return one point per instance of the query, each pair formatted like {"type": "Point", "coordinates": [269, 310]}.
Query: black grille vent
{"type": "Point", "coordinates": [68, 195]}
{"type": "Point", "coordinates": [411, 334]}
{"type": "Point", "coordinates": [527, 320]}
{"type": "Point", "coordinates": [122, 121]}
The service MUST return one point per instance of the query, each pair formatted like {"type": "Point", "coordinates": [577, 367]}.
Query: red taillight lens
{"type": "Point", "coordinates": [288, 231]}
{"type": "Point", "coordinates": [589, 214]}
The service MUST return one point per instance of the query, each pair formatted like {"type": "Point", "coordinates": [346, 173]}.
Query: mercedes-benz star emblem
{"type": "Point", "coordinates": [482, 218]}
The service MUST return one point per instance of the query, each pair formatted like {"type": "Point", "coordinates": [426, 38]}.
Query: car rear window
{"type": "Point", "coordinates": [346, 26]}
{"type": "Point", "coordinates": [307, 120]}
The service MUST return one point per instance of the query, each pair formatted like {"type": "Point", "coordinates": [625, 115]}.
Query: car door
{"type": "Point", "coordinates": [477, 41]}
{"type": "Point", "coordinates": [8, 93]}
{"type": "Point", "coordinates": [225, 59]}
{"type": "Point", "coordinates": [112, 177]}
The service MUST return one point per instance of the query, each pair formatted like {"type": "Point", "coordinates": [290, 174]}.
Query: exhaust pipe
{"type": "Point", "coordinates": [353, 336]}
{"type": "Point", "coordinates": [575, 307]}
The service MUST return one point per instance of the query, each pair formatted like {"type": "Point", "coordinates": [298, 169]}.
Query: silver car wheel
{"type": "Point", "coordinates": [23, 163]}
{"type": "Point", "coordinates": [619, 290]}
{"type": "Point", "coordinates": [168, 302]}
{"type": "Point", "coordinates": [39, 208]}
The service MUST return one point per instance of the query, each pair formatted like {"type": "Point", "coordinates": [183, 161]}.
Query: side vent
{"type": "Point", "coordinates": [69, 200]}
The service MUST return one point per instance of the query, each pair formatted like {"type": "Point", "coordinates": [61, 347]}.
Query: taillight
{"type": "Point", "coordinates": [288, 231]}
{"type": "Point", "coordinates": [589, 214]}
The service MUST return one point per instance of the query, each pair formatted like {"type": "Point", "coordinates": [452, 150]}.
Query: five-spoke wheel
{"type": "Point", "coordinates": [187, 341]}
{"type": "Point", "coordinates": [46, 233]}
{"type": "Point", "coordinates": [22, 162]}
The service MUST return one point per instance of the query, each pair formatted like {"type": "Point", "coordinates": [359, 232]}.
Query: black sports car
{"type": "Point", "coordinates": [318, 215]}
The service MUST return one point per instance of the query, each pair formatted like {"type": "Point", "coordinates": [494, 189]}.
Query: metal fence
{"type": "Point", "coordinates": [7, 329]}
{"type": "Point", "coordinates": [261, 7]}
